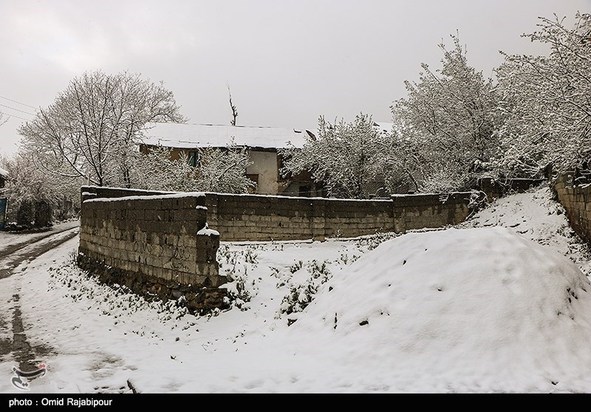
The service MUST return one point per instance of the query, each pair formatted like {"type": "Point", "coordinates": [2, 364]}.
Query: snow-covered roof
{"type": "Point", "coordinates": [187, 136]}
{"type": "Point", "coordinates": [3, 172]}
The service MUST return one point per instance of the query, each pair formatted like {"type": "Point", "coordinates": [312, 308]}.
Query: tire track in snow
{"type": "Point", "coordinates": [11, 258]}
{"type": "Point", "coordinates": [29, 251]}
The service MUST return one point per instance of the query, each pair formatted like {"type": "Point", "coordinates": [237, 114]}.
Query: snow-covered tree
{"type": "Point", "coordinates": [447, 122]}
{"type": "Point", "coordinates": [27, 183]}
{"type": "Point", "coordinates": [224, 170]}
{"type": "Point", "coordinates": [92, 126]}
{"type": "Point", "coordinates": [341, 157]}
{"type": "Point", "coordinates": [157, 170]}
{"type": "Point", "coordinates": [218, 170]}
{"type": "Point", "coordinates": [547, 100]}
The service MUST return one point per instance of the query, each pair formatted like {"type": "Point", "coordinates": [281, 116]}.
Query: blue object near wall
{"type": "Point", "coordinates": [3, 202]}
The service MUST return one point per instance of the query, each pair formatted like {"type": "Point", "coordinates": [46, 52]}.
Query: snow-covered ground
{"type": "Point", "coordinates": [477, 308]}
{"type": "Point", "coordinates": [13, 238]}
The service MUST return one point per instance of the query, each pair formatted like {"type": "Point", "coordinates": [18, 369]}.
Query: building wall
{"type": "Point", "coordinates": [264, 164]}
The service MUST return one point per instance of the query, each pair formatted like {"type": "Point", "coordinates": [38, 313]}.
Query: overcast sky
{"type": "Point", "coordinates": [286, 62]}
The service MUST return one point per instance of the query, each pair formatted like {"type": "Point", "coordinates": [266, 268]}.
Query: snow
{"type": "Point", "coordinates": [148, 197]}
{"type": "Point", "coordinates": [328, 199]}
{"type": "Point", "coordinates": [206, 231]}
{"type": "Point", "coordinates": [127, 189]}
{"type": "Point", "coordinates": [3, 172]}
{"type": "Point", "coordinates": [536, 216]}
{"type": "Point", "coordinates": [12, 238]}
{"type": "Point", "coordinates": [193, 136]}
{"type": "Point", "coordinates": [475, 308]}
{"type": "Point", "coordinates": [463, 309]}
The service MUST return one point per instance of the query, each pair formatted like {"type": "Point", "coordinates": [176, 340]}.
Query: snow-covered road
{"type": "Point", "coordinates": [16, 252]}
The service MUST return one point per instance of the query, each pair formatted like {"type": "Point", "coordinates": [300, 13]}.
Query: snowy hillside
{"type": "Point", "coordinates": [470, 309]}
{"type": "Point", "coordinates": [536, 216]}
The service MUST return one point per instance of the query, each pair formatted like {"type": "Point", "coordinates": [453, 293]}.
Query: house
{"type": "Point", "coordinates": [263, 145]}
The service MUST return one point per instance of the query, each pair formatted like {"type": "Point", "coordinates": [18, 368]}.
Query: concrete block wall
{"type": "Point", "coordinates": [154, 241]}
{"type": "Point", "coordinates": [260, 218]}
{"type": "Point", "coordinates": [350, 218]}
{"type": "Point", "coordinates": [263, 218]}
{"type": "Point", "coordinates": [576, 200]}
{"type": "Point", "coordinates": [420, 211]}
{"type": "Point", "coordinates": [257, 217]}
{"type": "Point", "coordinates": [154, 234]}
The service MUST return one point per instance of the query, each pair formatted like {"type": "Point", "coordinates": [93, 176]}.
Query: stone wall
{"type": "Point", "coordinates": [263, 218]}
{"type": "Point", "coordinates": [154, 242]}
{"type": "Point", "coordinates": [420, 211]}
{"type": "Point", "coordinates": [576, 200]}
{"type": "Point", "coordinates": [157, 243]}
{"type": "Point", "coordinates": [258, 218]}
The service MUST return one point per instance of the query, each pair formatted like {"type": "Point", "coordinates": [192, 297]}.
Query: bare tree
{"type": "Point", "coordinates": [91, 128]}
{"type": "Point", "coordinates": [233, 108]}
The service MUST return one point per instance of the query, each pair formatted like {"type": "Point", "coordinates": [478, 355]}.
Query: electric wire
{"type": "Point", "coordinates": [12, 115]}
{"type": "Point", "coordinates": [14, 101]}
{"type": "Point", "coordinates": [18, 110]}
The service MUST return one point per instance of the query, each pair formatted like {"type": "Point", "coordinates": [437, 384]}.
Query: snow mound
{"type": "Point", "coordinates": [537, 216]}
{"type": "Point", "coordinates": [480, 309]}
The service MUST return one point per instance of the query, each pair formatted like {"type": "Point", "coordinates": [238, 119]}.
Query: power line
{"type": "Point", "coordinates": [12, 115]}
{"type": "Point", "coordinates": [18, 110]}
{"type": "Point", "coordinates": [14, 101]}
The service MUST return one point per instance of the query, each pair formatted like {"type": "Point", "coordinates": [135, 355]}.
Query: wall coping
{"type": "Point", "coordinates": [124, 188]}
{"type": "Point", "coordinates": [337, 199]}
{"type": "Point", "coordinates": [146, 197]}
{"type": "Point", "coordinates": [431, 194]}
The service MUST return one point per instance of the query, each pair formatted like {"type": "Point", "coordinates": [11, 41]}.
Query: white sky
{"type": "Point", "coordinates": [287, 61]}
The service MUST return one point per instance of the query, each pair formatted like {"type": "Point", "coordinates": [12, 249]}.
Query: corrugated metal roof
{"type": "Point", "coordinates": [187, 136]}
